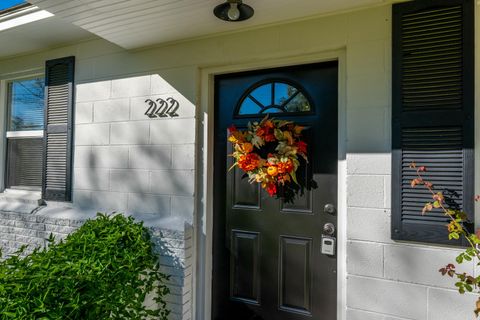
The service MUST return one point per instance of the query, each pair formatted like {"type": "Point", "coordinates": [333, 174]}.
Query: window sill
{"type": "Point", "coordinates": [20, 201]}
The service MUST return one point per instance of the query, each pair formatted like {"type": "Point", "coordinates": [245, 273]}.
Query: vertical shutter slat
{"type": "Point", "coordinates": [58, 129]}
{"type": "Point", "coordinates": [432, 114]}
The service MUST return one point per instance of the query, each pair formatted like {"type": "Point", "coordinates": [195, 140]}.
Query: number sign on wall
{"type": "Point", "coordinates": [161, 108]}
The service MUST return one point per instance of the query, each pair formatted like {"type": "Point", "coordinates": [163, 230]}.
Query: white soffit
{"type": "Point", "coordinates": [138, 23]}
{"type": "Point", "coordinates": [32, 29]}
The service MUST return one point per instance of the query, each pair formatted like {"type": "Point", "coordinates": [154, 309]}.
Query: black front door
{"type": "Point", "coordinates": [267, 254]}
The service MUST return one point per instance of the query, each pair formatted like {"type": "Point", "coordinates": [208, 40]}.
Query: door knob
{"type": "Point", "coordinates": [329, 208]}
{"type": "Point", "coordinates": [329, 229]}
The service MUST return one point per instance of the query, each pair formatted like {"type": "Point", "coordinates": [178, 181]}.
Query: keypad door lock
{"type": "Point", "coordinates": [328, 245]}
{"type": "Point", "coordinates": [329, 208]}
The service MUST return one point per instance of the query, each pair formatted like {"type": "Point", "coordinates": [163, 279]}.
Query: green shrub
{"type": "Point", "coordinates": [104, 270]}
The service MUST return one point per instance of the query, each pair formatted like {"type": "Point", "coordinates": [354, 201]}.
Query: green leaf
{"type": "Point", "coordinates": [459, 259]}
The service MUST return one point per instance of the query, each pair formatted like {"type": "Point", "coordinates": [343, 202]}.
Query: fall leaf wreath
{"type": "Point", "coordinates": [269, 153]}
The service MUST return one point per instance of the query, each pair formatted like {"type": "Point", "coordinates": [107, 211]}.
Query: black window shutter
{"type": "Point", "coordinates": [433, 114]}
{"type": "Point", "coordinates": [59, 93]}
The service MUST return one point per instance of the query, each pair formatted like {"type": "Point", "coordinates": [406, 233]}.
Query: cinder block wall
{"type": "Point", "coordinates": [125, 160]}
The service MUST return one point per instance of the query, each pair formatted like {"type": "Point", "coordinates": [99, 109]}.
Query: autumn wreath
{"type": "Point", "coordinates": [268, 152]}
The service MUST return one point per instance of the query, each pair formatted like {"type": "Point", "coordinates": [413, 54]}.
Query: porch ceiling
{"type": "Point", "coordinates": [34, 30]}
{"type": "Point", "coordinates": [138, 23]}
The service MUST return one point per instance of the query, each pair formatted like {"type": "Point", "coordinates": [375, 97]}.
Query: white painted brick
{"type": "Point", "coordinates": [150, 157]}
{"type": "Point", "coordinates": [160, 86]}
{"type": "Point", "coordinates": [174, 182]}
{"type": "Point", "coordinates": [374, 22]}
{"type": "Point", "coordinates": [131, 87]}
{"type": "Point", "coordinates": [186, 109]}
{"type": "Point", "coordinates": [59, 229]}
{"type": "Point", "coordinates": [7, 236]}
{"type": "Point", "coordinates": [183, 156]}
{"type": "Point", "coordinates": [367, 129]}
{"type": "Point", "coordinates": [127, 180]}
{"type": "Point", "coordinates": [420, 265]}
{"type": "Point", "coordinates": [388, 192]}
{"type": "Point", "coordinates": [367, 58]}
{"type": "Point", "coordinates": [82, 199]}
{"type": "Point", "coordinates": [368, 225]}
{"type": "Point", "coordinates": [114, 157]}
{"type": "Point", "coordinates": [99, 90]}
{"type": "Point", "coordinates": [24, 232]}
{"type": "Point", "coordinates": [82, 156]}
{"type": "Point", "coordinates": [365, 259]}
{"type": "Point", "coordinates": [394, 298]}
{"type": "Point", "coordinates": [353, 314]}
{"type": "Point", "coordinates": [369, 91]}
{"type": "Point", "coordinates": [109, 201]}
{"type": "Point", "coordinates": [30, 225]}
{"type": "Point", "coordinates": [91, 179]}
{"type": "Point", "coordinates": [173, 131]}
{"type": "Point", "coordinates": [147, 203]}
{"type": "Point", "coordinates": [366, 191]}
{"type": "Point", "coordinates": [130, 133]}
{"type": "Point", "coordinates": [84, 112]}
{"type": "Point", "coordinates": [30, 240]}
{"type": "Point", "coordinates": [92, 134]}
{"type": "Point", "coordinates": [111, 110]}
{"type": "Point", "coordinates": [450, 305]}
{"type": "Point", "coordinates": [183, 207]}
{"type": "Point", "coordinates": [369, 163]}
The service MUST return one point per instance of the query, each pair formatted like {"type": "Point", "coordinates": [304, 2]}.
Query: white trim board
{"type": "Point", "coordinates": [203, 253]}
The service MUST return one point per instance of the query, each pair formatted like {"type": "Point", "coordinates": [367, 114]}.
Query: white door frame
{"type": "Point", "coordinates": [203, 253]}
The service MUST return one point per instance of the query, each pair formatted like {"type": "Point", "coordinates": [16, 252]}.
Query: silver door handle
{"type": "Point", "coordinates": [329, 229]}
{"type": "Point", "coordinates": [329, 208]}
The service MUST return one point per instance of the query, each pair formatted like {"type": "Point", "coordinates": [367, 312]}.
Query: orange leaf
{"type": "Point", "coordinates": [427, 207]}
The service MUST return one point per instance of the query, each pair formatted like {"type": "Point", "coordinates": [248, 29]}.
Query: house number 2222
{"type": "Point", "coordinates": [162, 108]}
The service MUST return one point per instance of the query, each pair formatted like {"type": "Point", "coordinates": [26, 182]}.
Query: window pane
{"type": "Point", "coordinates": [273, 97]}
{"type": "Point", "coordinates": [26, 98]}
{"type": "Point", "coordinates": [249, 107]}
{"type": "Point", "coordinates": [25, 162]}
{"type": "Point", "coordinates": [298, 104]}
{"type": "Point", "coordinates": [263, 94]}
{"type": "Point", "coordinates": [283, 91]}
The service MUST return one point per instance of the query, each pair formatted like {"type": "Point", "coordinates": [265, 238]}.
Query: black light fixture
{"type": "Point", "coordinates": [233, 10]}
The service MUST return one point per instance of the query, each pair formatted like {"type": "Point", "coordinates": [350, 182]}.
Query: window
{"type": "Point", "coordinates": [25, 114]}
{"type": "Point", "coordinates": [39, 131]}
{"type": "Point", "coordinates": [273, 97]}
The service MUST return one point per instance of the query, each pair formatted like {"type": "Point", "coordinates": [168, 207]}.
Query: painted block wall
{"type": "Point", "coordinates": [124, 161]}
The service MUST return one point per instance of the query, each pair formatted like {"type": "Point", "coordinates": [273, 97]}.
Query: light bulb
{"type": "Point", "coordinates": [233, 12]}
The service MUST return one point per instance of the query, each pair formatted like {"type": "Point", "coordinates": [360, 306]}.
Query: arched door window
{"type": "Point", "coordinates": [275, 96]}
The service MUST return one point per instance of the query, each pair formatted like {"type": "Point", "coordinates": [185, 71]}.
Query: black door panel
{"type": "Point", "coordinates": [267, 253]}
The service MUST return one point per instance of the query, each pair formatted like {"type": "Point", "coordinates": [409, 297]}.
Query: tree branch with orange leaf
{"type": "Point", "coordinates": [456, 230]}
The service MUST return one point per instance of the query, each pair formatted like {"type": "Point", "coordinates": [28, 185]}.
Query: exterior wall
{"type": "Point", "coordinates": [124, 161]}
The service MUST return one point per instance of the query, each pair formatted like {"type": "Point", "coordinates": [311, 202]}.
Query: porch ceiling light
{"type": "Point", "coordinates": [233, 10]}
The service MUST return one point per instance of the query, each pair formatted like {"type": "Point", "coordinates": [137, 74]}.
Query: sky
{"type": "Point", "coordinates": [5, 4]}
